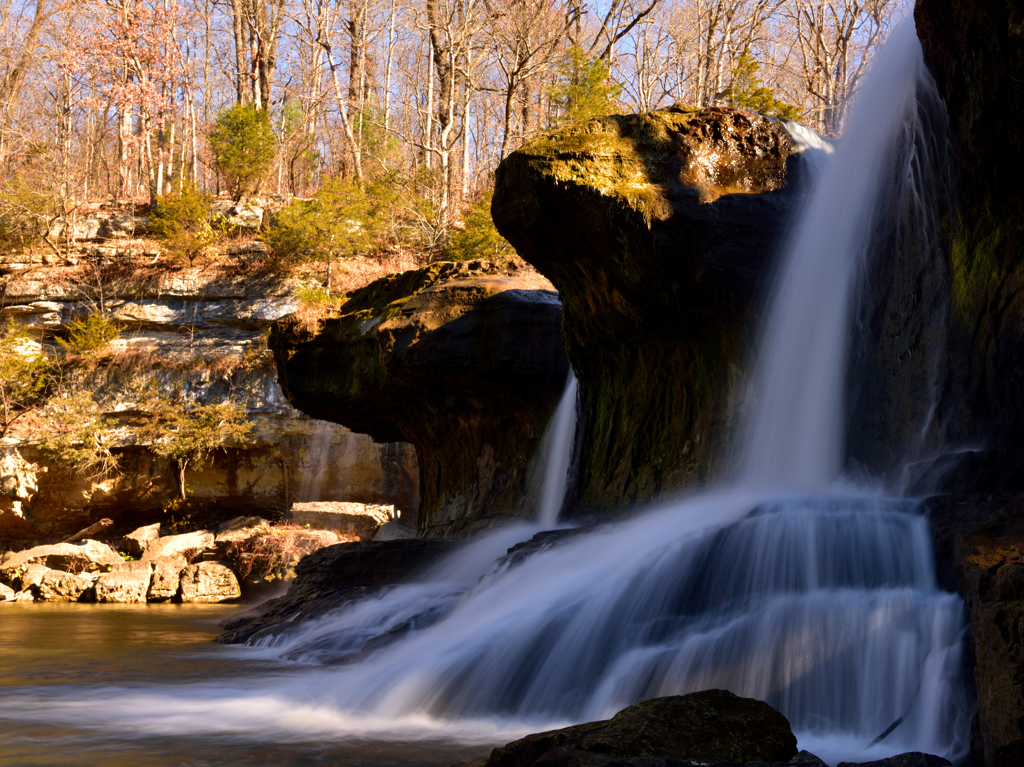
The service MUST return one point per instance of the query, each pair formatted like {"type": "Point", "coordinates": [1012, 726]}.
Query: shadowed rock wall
{"type": "Point", "coordinates": [658, 231]}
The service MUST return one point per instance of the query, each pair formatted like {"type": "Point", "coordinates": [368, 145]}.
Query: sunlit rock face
{"type": "Point", "coordinates": [464, 361]}
{"type": "Point", "coordinates": [196, 332]}
{"type": "Point", "coordinates": [659, 231]}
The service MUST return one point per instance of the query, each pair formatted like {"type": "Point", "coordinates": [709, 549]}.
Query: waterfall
{"type": "Point", "coordinates": [557, 454]}
{"type": "Point", "coordinates": [815, 597]}
{"type": "Point", "coordinates": [794, 441]}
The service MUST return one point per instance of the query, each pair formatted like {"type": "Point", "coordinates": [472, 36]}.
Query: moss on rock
{"type": "Point", "coordinates": [464, 361]}
{"type": "Point", "coordinates": [657, 230]}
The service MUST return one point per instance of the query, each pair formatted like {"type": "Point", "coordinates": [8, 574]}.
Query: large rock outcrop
{"type": "Point", "coordinates": [950, 320]}
{"type": "Point", "coordinates": [464, 361]}
{"type": "Point", "coordinates": [658, 230]}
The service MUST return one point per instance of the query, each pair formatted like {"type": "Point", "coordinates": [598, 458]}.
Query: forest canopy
{"type": "Point", "coordinates": [142, 99]}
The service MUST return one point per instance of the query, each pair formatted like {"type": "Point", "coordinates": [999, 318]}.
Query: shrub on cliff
{"type": "Point", "coordinates": [185, 432]}
{"type": "Point", "coordinates": [242, 142]}
{"type": "Point", "coordinates": [88, 336]}
{"type": "Point", "coordinates": [748, 92]}
{"type": "Point", "coordinates": [78, 435]}
{"type": "Point", "coordinates": [181, 222]}
{"type": "Point", "coordinates": [25, 375]}
{"type": "Point", "coordinates": [478, 238]}
{"type": "Point", "coordinates": [343, 219]}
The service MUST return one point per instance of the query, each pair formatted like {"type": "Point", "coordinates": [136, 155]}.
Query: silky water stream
{"type": "Point", "coordinates": [789, 585]}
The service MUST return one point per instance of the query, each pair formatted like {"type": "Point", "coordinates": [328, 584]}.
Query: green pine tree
{"type": "Point", "coordinates": [584, 89]}
{"type": "Point", "coordinates": [748, 92]}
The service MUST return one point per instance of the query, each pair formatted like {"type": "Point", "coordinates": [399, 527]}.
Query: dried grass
{"type": "Point", "coordinates": [269, 549]}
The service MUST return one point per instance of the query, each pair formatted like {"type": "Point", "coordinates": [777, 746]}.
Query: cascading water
{"type": "Point", "coordinates": [558, 449]}
{"type": "Point", "coordinates": [821, 601]}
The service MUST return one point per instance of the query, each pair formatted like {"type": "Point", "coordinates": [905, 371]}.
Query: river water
{"type": "Point", "coordinates": [77, 655]}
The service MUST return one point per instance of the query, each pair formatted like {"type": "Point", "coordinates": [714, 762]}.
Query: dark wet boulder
{"type": "Point", "coordinates": [332, 577]}
{"type": "Point", "coordinates": [464, 361]}
{"type": "Point", "coordinates": [910, 759]}
{"type": "Point", "coordinates": [704, 727]}
{"type": "Point", "coordinates": [659, 231]}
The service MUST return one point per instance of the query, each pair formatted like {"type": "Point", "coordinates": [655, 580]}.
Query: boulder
{"type": "Point", "coordinates": [30, 579]}
{"type": "Point", "coordinates": [465, 361]}
{"type": "Point", "coordinates": [135, 542]}
{"type": "Point", "coordinates": [704, 727]}
{"type": "Point", "coordinates": [659, 232]}
{"type": "Point", "coordinates": [7, 594]}
{"type": "Point", "coordinates": [188, 544]}
{"type": "Point", "coordinates": [166, 579]}
{"type": "Point", "coordinates": [126, 583]}
{"type": "Point", "coordinates": [333, 576]}
{"type": "Point", "coordinates": [393, 531]}
{"type": "Point", "coordinates": [57, 586]}
{"type": "Point", "coordinates": [356, 519]}
{"type": "Point", "coordinates": [910, 759]}
{"type": "Point", "coordinates": [978, 545]}
{"type": "Point", "coordinates": [208, 582]}
{"type": "Point", "coordinates": [82, 556]}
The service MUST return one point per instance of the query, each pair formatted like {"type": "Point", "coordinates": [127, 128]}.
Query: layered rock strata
{"type": "Point", "coordinates": [463, 361]}
{"type": "Point", "coordinates": [197, 332]}
{"type": "Point", "coordinates": [658, 231]}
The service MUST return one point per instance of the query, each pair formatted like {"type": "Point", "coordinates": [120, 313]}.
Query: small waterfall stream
{"type": "Point", "coordinates": [815, 596]}
{"type": "Point", "coordinates": [558, 454]}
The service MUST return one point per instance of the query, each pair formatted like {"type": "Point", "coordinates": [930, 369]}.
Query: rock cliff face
{"type": "Point", "coordinates": [464, 361]}
{"type": "Point", "coordinates": [978, 542]}
{"type": "Point", "coordinates": [199, 331]}
{"type": "Point", "coordinates": [658, 231]}
{"type": "Point", "coordinates": [952, 333]}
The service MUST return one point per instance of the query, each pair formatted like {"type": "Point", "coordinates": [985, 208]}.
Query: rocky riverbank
{"type": "Point", "coordinates": [152, 563]}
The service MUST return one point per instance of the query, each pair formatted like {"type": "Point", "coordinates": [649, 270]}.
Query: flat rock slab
{"type": "Point", "coordinates": [333, 576]}
{"type": "Point", "coordinates": [83, 556]}
{"type": "Point", "coordinates": [208, 582]}
{"type": "Point", "coordinates": [186, 543]}
{"type": "Point", "coordinates": [127, 583]}
{"type": "Point", "coordinates": [359, 519]}
{"type": "Point", "coordinates": [910, 759]}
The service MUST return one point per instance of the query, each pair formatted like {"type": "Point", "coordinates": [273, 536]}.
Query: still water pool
{"type": "Point", "coordinates": [82, 655]}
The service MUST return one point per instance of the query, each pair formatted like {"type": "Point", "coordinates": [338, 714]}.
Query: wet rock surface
{"type": "Point", "coordinates": [334, 576]}
{"type": "Point", "coordinates": [703, 727]}
{"type": "Point", "coordinates": [979, 552]}
{"type": "Point", "coordinates": [946, 321]}
{"type": "Point", "coordinates": [464, 361]}
{"type": "Point", "coordinates": [659, 231]}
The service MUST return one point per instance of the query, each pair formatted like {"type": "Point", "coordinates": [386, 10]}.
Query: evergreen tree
{"type": "Point", "coordinates": [242, 142]}
{"type": "Point", "coordinates": [748, 92]}
{"type": "Point", "coordinates": [584, 89]}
